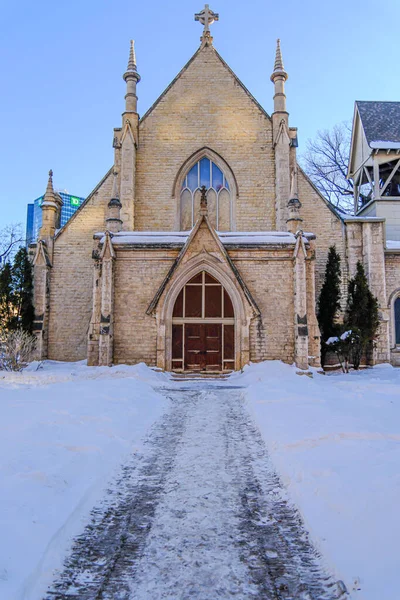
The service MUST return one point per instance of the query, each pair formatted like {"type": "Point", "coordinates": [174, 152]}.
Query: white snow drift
{"type": "Point", "coordinates": [335, 441]}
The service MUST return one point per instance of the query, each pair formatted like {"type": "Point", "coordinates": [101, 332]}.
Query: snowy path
{"type": "Point", "coordinates": [200, 514]}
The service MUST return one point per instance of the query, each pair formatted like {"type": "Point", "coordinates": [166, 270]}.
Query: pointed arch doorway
{"type": "Point", "coordinates": [203, 327]}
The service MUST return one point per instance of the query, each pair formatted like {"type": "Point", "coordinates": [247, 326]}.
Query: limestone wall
{"type": "Point", "coordinates": [269, 277]}
{"type": "Point", "coordinates": [138, 275]}
{"type": "Point", "coordinates": [318, 218]}
{"type": "Point", "coordinates": [205, 107]}
{"type": "Point", "coordinates": [71, 278]}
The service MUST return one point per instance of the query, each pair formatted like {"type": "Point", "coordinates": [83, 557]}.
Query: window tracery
{"type": "Point", "coordinates": [219, 197]}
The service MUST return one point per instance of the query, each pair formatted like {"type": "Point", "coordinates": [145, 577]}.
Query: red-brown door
{"type": "Point", "coordinates": [213, 346]}
{"type": "Point", "coordinates": [194, 347]}
{"type": "Point", "coordinates": [203, 347]}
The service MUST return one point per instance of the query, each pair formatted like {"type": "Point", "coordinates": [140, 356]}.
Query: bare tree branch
{"type": "Point", "coordinates": [11, 238]}
{"type": "Point", "coordinates": [325, 161]}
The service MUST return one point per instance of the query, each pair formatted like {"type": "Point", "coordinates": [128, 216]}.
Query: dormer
{"type": "Point", "coordinates": [374, 164]}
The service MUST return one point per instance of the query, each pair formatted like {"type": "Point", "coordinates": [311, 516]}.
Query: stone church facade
{"type": "Point", "coordinates": [202, 248]}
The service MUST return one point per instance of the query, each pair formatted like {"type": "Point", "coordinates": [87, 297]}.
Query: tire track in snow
{"type": "Point", "coordinates": [116, 534]}
{"type": "Point", "coordinates": [203, 515]}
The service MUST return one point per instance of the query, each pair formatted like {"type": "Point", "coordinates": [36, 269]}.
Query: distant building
{"type": "Point", "coordinates": [374, 164]}
{"type": "Point", "coordinates": [29, 223]}
{"type": "Point", "coordinates": [34, 214]}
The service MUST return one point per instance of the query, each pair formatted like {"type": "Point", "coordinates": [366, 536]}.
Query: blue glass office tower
{"type": "Point", "coordinates": [34, 215]}
{"type": "Point", "coordinates": [29, 223]}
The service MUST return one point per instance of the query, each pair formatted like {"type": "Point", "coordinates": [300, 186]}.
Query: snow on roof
{"type": "Point", "coordinates": [180, 237]}
{"type": "Point", "coordinates": [393, 244]}
{"type": "Point", "coordinates": [256, 237]}
{"type": "Point", "coordinates": [381, 123]}
{"type": "Point", "coordinates": [368, 219]}
{"type": "Point", "coordinates": [146, 237]}
{"type": "Point", "coordinates": [382, 145]}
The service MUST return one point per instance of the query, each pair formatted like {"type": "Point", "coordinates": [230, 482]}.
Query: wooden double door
{"type": "Point", "coordinates": [203, 327]}
{"type": "Point", "coordinates": [203, 346]}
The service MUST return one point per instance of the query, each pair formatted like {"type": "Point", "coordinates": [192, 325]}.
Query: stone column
{"type": "Point", "coordinates": [41, 299]}
{"type": "Point", "coordinates": [373, 235]}
{"type": "Point", "coordinates": [281, 140]}
{"type": "Point", "coordinates": [282, 173]}
{"type": "Point", "coordinates": [365, 240]}
{"type": "Point", "coordinates": [128, 177]}
{"type": "Point", "coordinates": [101, 329]}
{"type": "Point", "coordinates": [128, 142]}
{"type": "Point", "coordinates": [294, 221]}
{"type": "Point", "coordinates": [94, 327]}
{"type": "Point", "coordinates": [314, 334]}
{"type": "Point", "coordinates": [106, 340]}
{"type": "Point", "coordinates": [300, 304]}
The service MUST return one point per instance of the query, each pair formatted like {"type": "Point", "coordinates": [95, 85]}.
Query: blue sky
{"type": "Point", "coordinates": [62, 66]}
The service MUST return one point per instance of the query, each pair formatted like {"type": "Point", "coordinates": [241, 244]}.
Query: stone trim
{"type": "Point", "coordinates": [243, 315]}
{"type": "Point", "coordinates": [153, 304]}
{"type": "Point", "coordinates": [204, 152]}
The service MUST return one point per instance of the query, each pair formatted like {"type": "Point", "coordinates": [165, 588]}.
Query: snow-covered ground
{"type": "Point", "coordinates": [64, 430]}
{"type": "Point", "coordinates": [335, 441]}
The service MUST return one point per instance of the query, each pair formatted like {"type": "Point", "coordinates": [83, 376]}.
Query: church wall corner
{"type": "Point", "coordinates": [71, 278]}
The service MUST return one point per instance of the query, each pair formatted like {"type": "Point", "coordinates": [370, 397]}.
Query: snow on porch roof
{"type": "Point", "coordinates": [178, 238]}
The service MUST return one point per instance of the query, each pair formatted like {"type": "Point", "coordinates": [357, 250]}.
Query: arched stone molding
{"type": "Point", "coordinates": [392, 299]}
{"type": "Point", "coordinates": [205, 152]}
{"type": "Point", "coordinates": [243, 311]}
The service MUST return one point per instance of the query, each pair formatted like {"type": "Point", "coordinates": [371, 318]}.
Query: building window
{"type": "Point", "coordinates": [397, 320]}
{"type": "Point", "coordinates": [219, 198]}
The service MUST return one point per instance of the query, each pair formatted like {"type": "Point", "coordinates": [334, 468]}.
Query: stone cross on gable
{"type": "Point", "coordinates": [206, 18]}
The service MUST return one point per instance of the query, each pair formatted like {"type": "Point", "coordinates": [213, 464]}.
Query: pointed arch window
{"type": "Point", "coordinates": [219, 196]}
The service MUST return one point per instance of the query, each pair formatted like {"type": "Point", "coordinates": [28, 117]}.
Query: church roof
{"type": "Point", "coordinates": [381, 123]}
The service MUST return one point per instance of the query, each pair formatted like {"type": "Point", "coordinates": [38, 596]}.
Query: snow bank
{"type": "Point", "coordinates": [335, 441]}
{"type": "Point", "coordinates": [393, 244]}
{"type": "Point", "coordinates": [64, 430]}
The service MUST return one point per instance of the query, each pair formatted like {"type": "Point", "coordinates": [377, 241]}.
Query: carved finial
{"type": "Point", "coordinates": [132, 77]}
{"type": "Point", "coordinates": [278, 66]}
{"type": "Point", "coordinates": [50, 200]}
{"type": "Point", "coordinates": [131, 71]}
{"type": "Point", "coordinates": [206, 18]}
{"type": "Point", "coordinates": [132, 57]}
{"type": "Point", "coordinates": [49, 189]}
{"type": "Point", "coordinates": [279, 69]}
{"type": "Point", "coordinates": [203, 201]}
